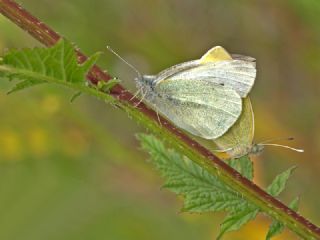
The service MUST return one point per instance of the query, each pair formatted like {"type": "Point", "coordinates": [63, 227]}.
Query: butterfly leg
{"type": "Point", "coordinates": [159, 118]}
{"type": "Point", "coordinates": [143, 96]}
{"type": "Point", "coordinates": [136, 94]}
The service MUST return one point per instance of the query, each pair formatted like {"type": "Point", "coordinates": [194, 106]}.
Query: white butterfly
{"type": "Point", "coordinates": [203, 97]}
{"type": "Point", "coordinates": [238, 140]}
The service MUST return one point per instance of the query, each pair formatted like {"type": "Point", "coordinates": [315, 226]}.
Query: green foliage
{"type": "Point", "coordinates": [237, 218]}
{"type": "Point", "coordinates": [75, 96]}
{"type": "Point", "coordinates": [243, 165]}
{"type": "Point", "coordinates": [279, 183]}
{"type": "Point", "coordinates": [34, 66]}
{"type": "Point", "coordinates": [39, 65]}
{"type": "Point", "coordinates": [274, 189]}
{"type": "Point", "coordinates": [204, 192]}
{"type": "Point", "coordinates": [106, 86]}
{"type": "Point", "coordinates": [57, 64]}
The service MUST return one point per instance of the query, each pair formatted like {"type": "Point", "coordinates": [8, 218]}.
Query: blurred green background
{"type": "Point", "coordinates": [74, 171]}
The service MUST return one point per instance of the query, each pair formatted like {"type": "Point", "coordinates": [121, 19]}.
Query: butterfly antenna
{"type": "Point", "coordinates": [277, 139]}
{"type": "Point", "coordinates": [283, 146]}
{"type": "Point", "coordinates": [126, 62]}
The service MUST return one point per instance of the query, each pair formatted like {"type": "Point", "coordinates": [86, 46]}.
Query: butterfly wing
{"type": "Point", "coordinates": [199, 107]}
{"type": "Point", "coordinates": [240, 136]}
{"type": "Point", "coordinates": [238, 75]}
{"type": "Point", "coordinates": [244, 58]}
{"type": "Point", "coordinates": [217, 66]}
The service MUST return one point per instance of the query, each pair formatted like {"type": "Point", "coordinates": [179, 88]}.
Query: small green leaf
{"type": "Point", "coordinates": [237, 219]}
{"type": "Point", "coordinates": [75, 96]}
{"type": "Point", "coordinates": [243, 165]}
{"type": "Point", "coordinates": [246, 167]}
{"type": "Point", "coordinates": [277, 227]}
{"type": "Point", "coordinates": [107, 86]}
{"type": "Point", "coordinates": [24, 84]}
{"type": "Point", "coordinates": [279, 183]}
{"type": "Point", "coordinates": [88, 64]}
{"type": "Point", "coordinates": [274, 189]}
{"type": "Point", "coordinates": [274, 229]}
{"type": "Point", "coordinates": [294, 205]}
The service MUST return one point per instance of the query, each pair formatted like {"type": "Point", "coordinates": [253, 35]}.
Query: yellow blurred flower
{"type": "Point", "coordinates": [38, 141]}
{"type": "Point", "coordinates": [10, 145]}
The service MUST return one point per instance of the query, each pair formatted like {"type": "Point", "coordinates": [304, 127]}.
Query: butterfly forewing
{"type": "Point", "coordinates": [201, 108]}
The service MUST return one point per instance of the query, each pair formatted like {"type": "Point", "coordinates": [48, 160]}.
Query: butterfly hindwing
{"type": "Point", "coordinates": [236, 74]}
{"type": "Point", "coordinates": [215, 54]}
{"type": "Point", "coordinates": [238, 139]}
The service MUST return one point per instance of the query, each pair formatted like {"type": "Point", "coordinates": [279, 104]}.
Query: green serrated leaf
{"type": "Point", "coordinates": [55, 64]}
{"type": "Point", "coordinates": [280, 181]}
{"type": "Point", "coordinates": [202, 192]}
{"type": "Point", "coordinates": [243, 165]}
{"type": "Point", "coordinates": [277, 227]}
{"type": "Point", "coordinates": [211, 201]}
{"type": "Point", "coordinates": [237, 219]}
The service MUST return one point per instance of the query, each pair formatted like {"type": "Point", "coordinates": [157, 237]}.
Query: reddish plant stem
{"type": "Point", "coordinates": [48, 37]}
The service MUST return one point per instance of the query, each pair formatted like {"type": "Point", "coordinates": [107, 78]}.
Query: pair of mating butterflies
{"type": "Point", "coordinates": [208, 98]}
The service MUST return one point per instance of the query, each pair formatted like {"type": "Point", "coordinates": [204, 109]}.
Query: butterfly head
{"type": "Point", "coordinates": [143, 82]}
{"type": "Point", "coordinates": [256, 149]}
